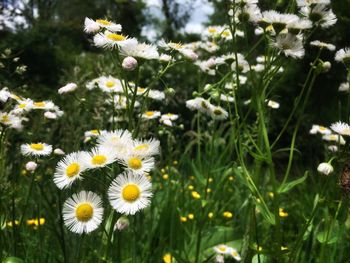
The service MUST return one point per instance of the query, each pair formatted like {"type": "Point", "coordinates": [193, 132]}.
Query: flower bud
{"type": "Point", "coordinates": [122, 223]}
{"type": "Point", "coordinates": [325, 168]}
{"type": "Point", "coordinates": [129, 63]}
{"type": "Point", "coordinates": [59, 151]}
{"type": "Point", "coordinates": [31, 166]}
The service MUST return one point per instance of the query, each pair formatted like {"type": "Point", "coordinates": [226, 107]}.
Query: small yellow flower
{"type": "Point", "coordinates": [162, 171]}
{"type": "Point", "coordinates": [10, 223]}
{"type": "Point", "coordinates": [190, 187]}
{"type": "Point", "coordinates": [175, 162]}
{"type": "Point", "coordinates": [165, 176]}
{"type": "Point", "coordinates": [227, 214]}
{"type": "Point", "coordinates": [271, 194]}
{"type": "Point", "coordinates": [210, 215]}
{"type": "Point", "coordinates": [190, 216]}
{"type": "Point", "coordinates": [167, 258]}
{"type": "Point", "coordinates": [208, 190]}
{"type": "Point", "coordinates": [282, 213]}
{"type": "Point", "coordinates": [284, 248]}
{"type": "Point", "coordinates": [183, 219]}
{"type": "Point", "coordinates": [210, 180]}
{"type": "Point", "coordinates": [196, 195]}
{"type": "Point", "coordinates": [231, 178]}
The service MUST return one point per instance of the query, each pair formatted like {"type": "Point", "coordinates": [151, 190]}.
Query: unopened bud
{"type": "Point", "coordinates": [31, 166]}
{"type": "Point", "coordinates": [122, 223]}
{"type": "Point", "coordinates": [325, 168]}
{"type": "Point", "coordinates": [129, 63]}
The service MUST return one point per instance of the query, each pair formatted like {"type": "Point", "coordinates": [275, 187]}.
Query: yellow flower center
{"type": "Point", "coordinates": [141, 89]}
{"type": "Point", "coordinates": [217, 112]}
{"type": "Point", "coordinates": [103, 22]}
{"type": "Point", "coordinates": [149, 113]}
{"type": "Point", "coordinates": [110, 84]}
{"type": "Point", "coordinates": [84, 212]}
{"type": "Point", "coordinates": [94, 132]}
{"type": "Point", "coordinates": [226, 33]}
{"type": "Point", "coordinates": [234, 253]}
{"type": "Point", "coordinates": [212, 30]}
{"type": "Point", "coordinates": [115, 37]}
{"type": "Point", "coordinates": [141, 147]}
{"type": "Point", "coordinates": [37, 146]}
{"type": "Point", "coordinates": [5, 118]}
{"type": "Point", "coordinates": [135, 163]}
{"type": "Point", "coordinates": [39, 104]}
{"type": "Point", "coordinates": [72, 169]}
{"type": "Point", "coordinates": [222, 248]}
{"type": "Point", "coordinates": [322, 128]}
{"type": "Point", "coordinates": [98, 159]}
{"type": "Point", "coordinates": [131, 192]}
{"type": "Point", "coordinates": [22, 105]}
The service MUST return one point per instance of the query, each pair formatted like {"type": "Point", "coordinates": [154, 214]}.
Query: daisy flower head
{"type": "Point", "coordinates": [218, 113]}
{"type": "Point", "coordinates": [36, 149]}
{"type": "Point", "coordinates": [83, 212]}
{"type": "Point", "coordinates": [168, 119]}
{"type": "Point", "coordinates": [320, 15]}
{"type": "Point", "coordinates": [343, 55]}
{"type": "Point", "coordinates": [145, 148]}
{"type": "Point", "coordinates": [93, 26]}
{"type": "Point", "coordinates": [93, 133]}
{"type": "Point", "coordinates": [277, 20]}
{"type": "Point", "coordinates": [68, 170]}
{"type": "Point", "coordinates": [23, 106]}
{"type": "Point", "coordinates": [110, 84]}
{"type": "Point", "coordinates": [334, 138]}
{"type": "Point", "coordinates": [302, 3]}
{"type": "Point", "coordinates": [150, 115]}
{"type": "Point", "coordinates": [99, 157]}
{"type": "Point", "coordinates": [322, 45]}
{"type": "Point", "coordinates": [140, 50]}
{"type": "Point", "coordinates": [320, 129]}
{"type": "Point", "coordinates": [110, 40]}
{"type": "Point", "coordinates": [290, 45]}
{"type": "Point", "coordinates": [130, 193]}
{"type": "Point", "coordinates": [118, 140]}
{"type": "Point", "coordinates": [67, 88]}
{"type": "Point", "coordinates": [136, 163]}
{"type": "Point", "coordinates": [222, 249]}
{"type": "Point", "coordinates": [156, 94]}
{"type": "Point", "coordinates": [43, 105]}
{"type": "Point", "coordinates": [341, 128]}
{"type": "Point", "coordinates": [273, 104]}
{"type": "Point", "coordinates": [299, 25]}
{"type": "Point", "coordinates": [4, 94]}
{"type": "Point", "coordinates": [200, 104]}
{"type": "Point", "coordinates": [11, 120]}
{"type": "Point", "coordinates": [248, 13]}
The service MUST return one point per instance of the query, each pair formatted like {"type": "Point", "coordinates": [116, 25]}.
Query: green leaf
{"type": "Point", "coordinates": [13, 260]}
{"type": "Point", "coordinates": [329, 235]}
{"type": "Point", "coordinates": [288, 186]}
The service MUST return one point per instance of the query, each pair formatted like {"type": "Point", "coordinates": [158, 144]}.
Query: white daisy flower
{"type": "Point", "coordinates": [93, 26]}
{"type": "Point", "coordinates": [299, 25]}
{"type": "Point", "coordinates": [200, 104]}
{"type": "Point", "coordinates": [249, 12]}
{"type": "Point", "coordinates": [320, 129]}
{"type": "Point", "coordinates": [241, 65]}
{"type": "Point", "coordinates": [170, 116]}
{"type": "Point", "coordinates": [227, 98]}
{"type": "Point", "coordinates": [277, 20]}
{"type": "Point", "coordinates": [136, 163]}
{"type": "Point", "coordinates": [118, 140]}
{"type": "Point", "coordinates": [218, 113]}
{"type": "Point", "coordinates": [68, 170]}
{"type": "Point", "coordinates": [222, 249]}
{"type": "Point", "coordinates": [140, 50]}
{"type": "Point", "coordinates": [317, 43]}
{"type": "Point", "coordinates": [67, 88]}
{"type": "Point", "coordinates": [334, 138]}
{"type": "Point", "coordinates": [92, 84]}
{"type": "Point", "coordinates": [112, 40]}
{"type": "Point", "coordinates": [344, 87]}
{"type": "Point", "coordinates": [93, 133]}
{"type": "Point", "coordinates": [156, 94]}
{"type": "Point", "coordinates": [233, 253]}
{"type": "Point", "coordinates": [130, 193]}
{"type": "Point", "coordinates": [23, 106]}
{"type": "Point", "coordinates": [44, 105]}
{"type": "Point", "coordinates": [99, 157]}
{"type": "Point", "coordinates": [341, 128]}
{"type": "Point", "coordinates": [149, 115]}
{"type": "Point", "coordinates": [325, 168]}
{"type": "Point", "coordinates": [320, 15]}
{"type": "Point", "coordinates": [343, 55]}
{"type": "Point", "coordinates": [145, 148]}
{"type": "Point", "coordinates": [4, 94]}
{"type": "Point", "coordinates": [290, 45]}
{"type": "Point", "coordinates": [11, 120]}
{"type": "Point", "coordinates": [110, 84]}
{"type": "Point", "coordinates": [83, 212]}
{"type": "Point", "coordinates": [302, 3]}
{"type": "Point", "coordinates": [36, 149]}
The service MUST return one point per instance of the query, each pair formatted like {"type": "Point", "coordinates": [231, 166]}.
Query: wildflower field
{"type": "Point", "coordinates": [226, 144]}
